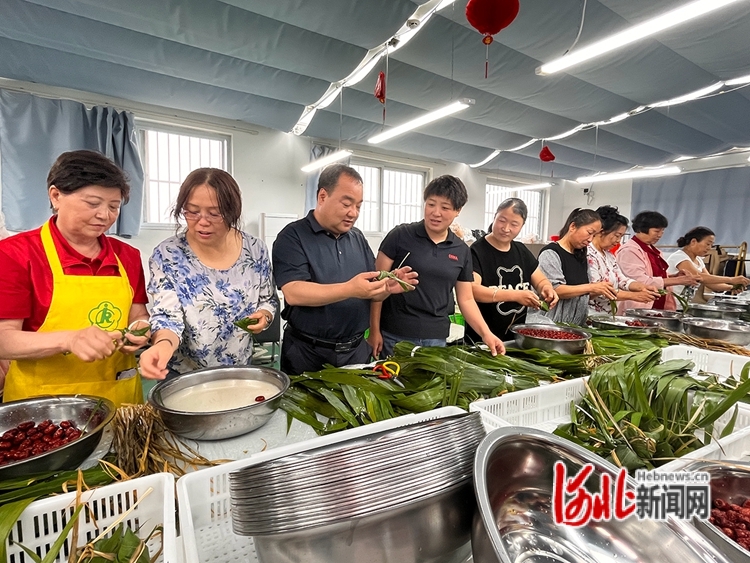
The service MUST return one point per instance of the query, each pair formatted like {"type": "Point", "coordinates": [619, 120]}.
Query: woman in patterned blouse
{"type": "Point", "coordinates": [603, 266]}
{"type": "Point", "coordinates": [205, 278]}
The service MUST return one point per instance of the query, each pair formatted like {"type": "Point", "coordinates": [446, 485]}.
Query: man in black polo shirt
{"type": "Point", "coordinates": [326, 270]}
{"type": "Point", "coordinates": [444, 263]}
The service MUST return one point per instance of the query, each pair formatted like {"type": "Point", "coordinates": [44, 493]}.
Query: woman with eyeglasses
{"type": "Point", "coordinates": [68, 291]}
{"type": "Point", "coordinates": [204, 278]}
{"type": "Point", "coordinates": [603, 265]}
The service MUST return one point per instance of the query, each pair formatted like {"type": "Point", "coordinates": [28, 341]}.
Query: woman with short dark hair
{"type": "Point", "coordinates": [68, 291]}
{"type": "Point", "coordinates": [639, 259]}
{"type": "Point", "coordinates": [204, 278]}
{"type": "Point", "coordinates": [695, 244]}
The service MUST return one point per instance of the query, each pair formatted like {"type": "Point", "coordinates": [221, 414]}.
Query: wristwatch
{"type": "Point", "coordinates": [269, 318]}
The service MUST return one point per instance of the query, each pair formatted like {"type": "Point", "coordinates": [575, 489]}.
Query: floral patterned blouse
{"type": "Point", "coordinates": [200, 304]}
{"type": "Point", "coordinates": [604, 267]}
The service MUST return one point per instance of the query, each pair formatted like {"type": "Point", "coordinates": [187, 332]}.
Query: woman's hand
{"type": "Point", "coordinates": [602, 289]}
{"type": "Point", "coordinates": [643, 296]}
{"type": "Point", "coordinates": [92, 343]}
{"type": "Point", "coordinates": [375, 340]}
{"type": "Point", "coordinates": [525, 297]}
{"type": "Point", "coordinates": [404, 274]}
{"type": "Point", "coordinates": [131, 342]}
{"type": "Point", "coordinates": [739, 280]}
{"type": "Point", "coordinates": [495, 345]}
{"type": "Point", "coordinates": [549, 295]}
{"type": "Point", "coordinates": [262, 323]}
{"type": "Point", "coordinates": [684, 278]}
{"type": "Point", "coordinates": [153, 361]}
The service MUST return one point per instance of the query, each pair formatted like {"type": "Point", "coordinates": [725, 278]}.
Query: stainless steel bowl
{"type": "Point", "coordinates": [91, 414]}
{"type": "Point", "coordinates": [609, 322]}
{"type": "Point", "coordinates": [562, 346]}
{"type": "Point", "coordinates": [734, 332]}
{"type": "Point", "coordinates": [730, 482]}
{"type": "Point", "coordinates": [435, 529]}
{"type": "Point", "coordinates": [714, 311]}
{"type": "Point", "coordinates": [513, 479]}
{"type": "Point", "coordinates": [218, 425]}
{"type": "Point", "coordinates": [671, 320]}
{"type": "Point", "coordinates": [731, 303]}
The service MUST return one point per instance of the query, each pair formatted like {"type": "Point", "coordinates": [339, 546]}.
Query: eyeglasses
{"type": "Point", "coordinates": [211, 217]}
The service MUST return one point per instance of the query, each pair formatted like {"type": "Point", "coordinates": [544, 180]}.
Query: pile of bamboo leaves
{"type": "Point", "coordinates": [640, 413]}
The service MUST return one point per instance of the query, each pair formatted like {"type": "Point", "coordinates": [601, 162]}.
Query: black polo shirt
{"type": "Point", "coordinates": [305, 251]}
{"type": "Point", "coordinates": [423, 313]}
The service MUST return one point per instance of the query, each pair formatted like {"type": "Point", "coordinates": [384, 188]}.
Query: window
{"type": "Point", "coordinates": [495, 194]}
{"type": "Point", "coordinates": [169, 155]}
{"type": "Point", "coordinates": [391, 197]}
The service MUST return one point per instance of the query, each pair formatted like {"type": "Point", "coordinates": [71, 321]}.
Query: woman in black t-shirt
{"type": "Point", "coordinates": [505, 272]}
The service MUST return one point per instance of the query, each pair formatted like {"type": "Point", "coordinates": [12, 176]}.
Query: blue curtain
{"type": "Point", "coordinates": [717, 199]}
{"type": "Point", "coordinates": [311, 187]}
{"type": "Point", "coordinates": [34, 131]}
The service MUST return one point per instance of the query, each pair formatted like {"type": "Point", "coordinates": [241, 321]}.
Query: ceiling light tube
{"type": "Point", "coordinates": [639, 173]}
{"type": "Point", "coordinates": [738, 81]}
{"type": "Point", "coordinates": [688, 97]}
{"type": "Point", "coordinates": [326, 160]}
{"type": "Point", "coordinates": [635, 33]}
{"type": "Point", "coordinates": [492, 155]}
{"type": "Point", "coordinates": [423, 120]}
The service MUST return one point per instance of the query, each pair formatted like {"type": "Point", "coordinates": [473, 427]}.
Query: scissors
{"type": "Point", "coordinates": [389, 370]}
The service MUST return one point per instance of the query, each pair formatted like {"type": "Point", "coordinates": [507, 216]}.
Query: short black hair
{"type": "Point", "coordinates": [228, 194]}
{"type": "Point", "coordinates": [698, 233]}
{"type": "Point", "coordinates": [517, 205]}
{"type": "Point", "coordinates": [74, 170]}
{"type": "Point", "coordinates": [330, 175]}
{"type": "Point", "coordinates": [449, 187]}
{"type": "Point", "coordinates": [611, 218]}
{"type": "Point", "coordinates": [647, 220]}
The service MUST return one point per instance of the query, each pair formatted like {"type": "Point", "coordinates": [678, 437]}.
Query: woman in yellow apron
{"type": "Point", "coordinates": [68, 291]}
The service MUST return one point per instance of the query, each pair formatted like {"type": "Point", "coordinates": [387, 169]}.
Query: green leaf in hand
{"type": "Point", "coordinates": [246, 322]}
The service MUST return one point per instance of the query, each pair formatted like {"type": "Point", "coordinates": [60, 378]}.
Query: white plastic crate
{"type": "Point", "coordinates": [545, 408]}
{"type": "Point", "coordinates": [43, 520]}
{"type": "Point", "coordinates": [203, 496]}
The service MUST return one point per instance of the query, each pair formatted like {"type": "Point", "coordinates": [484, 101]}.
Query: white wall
{"type": "Point", "coordinates": [566, 197]}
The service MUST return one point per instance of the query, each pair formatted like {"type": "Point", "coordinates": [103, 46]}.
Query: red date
{"type": "Point", "coordinates": [259, 398]}
{"type": "Point", "coordinates": [733, 520]}
{"type": "Point", "coordinates": [549, 334]}
{"type": "Point", "coordinates": [29, 439]}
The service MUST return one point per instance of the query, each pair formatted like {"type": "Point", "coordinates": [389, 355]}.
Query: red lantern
{"type": "Point", "coordinates": [489, 17]}
{"type": "Point", "coordinates": [545, 155]}
{"type": "Point", "coordinates": [380, 88]}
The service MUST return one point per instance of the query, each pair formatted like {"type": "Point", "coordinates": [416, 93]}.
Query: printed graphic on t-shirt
{"type": "Point", "coordinates": [511, 278]}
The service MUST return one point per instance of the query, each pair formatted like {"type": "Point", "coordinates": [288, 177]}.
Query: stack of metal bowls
{"type": "Point", "coordinates": [714, 311]}
{"type": "Point", "coordinates": [401, 495]}
{"type": "Point", "coordinates": [731, 302]}
{"type": "Point", "coordinates": [671, 320]}
{"type": "Point", "coordinates": [734, 332]}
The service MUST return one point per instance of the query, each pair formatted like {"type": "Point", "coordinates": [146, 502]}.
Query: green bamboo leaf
{"type": "Point", "coordinates": [9, 515]}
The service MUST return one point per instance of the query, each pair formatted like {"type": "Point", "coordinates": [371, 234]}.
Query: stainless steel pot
{"type": "Point", "coordinates": [734, 332]}
{"type": "Point", "coordinates": [563, 346]}
{"type": "Point", "coordinates": [619, 322]}
{"type": "Point", "coordinates": [513, 479]}
{"type": "Point", "coordinates": [218, 425]}
{"type": "Point", "coordinates": [714, 311]}
{"type": "Point", "coordinates": [671, 320]}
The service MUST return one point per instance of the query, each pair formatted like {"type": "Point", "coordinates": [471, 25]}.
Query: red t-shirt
{"type": "Point", "coordinates": [26, 276]}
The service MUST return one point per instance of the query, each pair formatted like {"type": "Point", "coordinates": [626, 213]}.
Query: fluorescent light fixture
{"type": "Point", "coordinates": [493, 154]}
{"type": "Point", "coordinates": [326, 160]}
{"type": "Point", "coordinates": [423, 120]}
{"type": "Point", "coordinates": [738, 81]}
{"type": "Point", "coordinates": [521, 147]}
{"type": "Point", "coordinates": [635, 33]}
{"type": "Point", "coordinates": [688, 97]}
{"type": "Point", "coordinates": [533, 186]}
{"type": "Point", "coordinates": [638, 173]}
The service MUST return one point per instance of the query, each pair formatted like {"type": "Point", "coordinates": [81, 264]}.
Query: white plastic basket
{"type": "Point", "coordinates": [203, 496]}
{"type": "Point", "coordinates": [545, 408]}
{"type": "Point", "coordinates": [43, 520]}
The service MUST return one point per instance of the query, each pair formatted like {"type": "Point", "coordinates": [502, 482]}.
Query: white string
{"type": "Point", "coordinates": [580, 29]}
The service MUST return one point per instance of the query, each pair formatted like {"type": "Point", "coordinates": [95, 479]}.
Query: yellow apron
{"type": "Point", "coordinates": [79, 302]}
